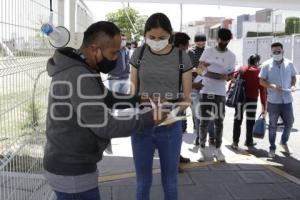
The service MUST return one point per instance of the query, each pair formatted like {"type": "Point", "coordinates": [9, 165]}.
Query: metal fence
{"type": "Point", "coordinates": [23, 98]}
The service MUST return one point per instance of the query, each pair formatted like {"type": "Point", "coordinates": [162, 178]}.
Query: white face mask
{"type": "Point", "coordinates": [277, 57]}
{"type": "Point", "coordinates": [157, 45]}
{"type": "Point", "coordinates": [123, 43]}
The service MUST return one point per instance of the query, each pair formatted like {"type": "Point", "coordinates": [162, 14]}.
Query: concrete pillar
{"type": "Point", "coordinates": [61, 12]}
{"type": "Point", "coordinates": [72, 20]}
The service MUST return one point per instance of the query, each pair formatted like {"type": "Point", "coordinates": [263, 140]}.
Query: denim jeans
{"type": "Point", "coordinates": [285, 111]}
{"type": "Point", "coordinates": [212, 108]}
{"type": "Point", "coordinates": [121, 86]}
{"type": "Point", "coordinates": [250, 107]}
{"type": "Point", "coordinates": [195, 107]}
{"type": "Point", "coordinates": [93, 194]}
{"type": "Point", "coordinates": [167, 139]}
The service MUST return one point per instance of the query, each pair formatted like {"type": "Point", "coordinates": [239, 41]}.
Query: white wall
{"type": "Point", "coordinates": [243, 48]}
{"type": "Point", "coordinates": [193, 30]}
{"type": "Point", "coordinates": [261, 27]}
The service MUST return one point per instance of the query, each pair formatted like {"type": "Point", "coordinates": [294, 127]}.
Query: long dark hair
{"type": "Point", "coordinates": [158, 20]}
{"type": "Point", "coordinates": [253, 59]}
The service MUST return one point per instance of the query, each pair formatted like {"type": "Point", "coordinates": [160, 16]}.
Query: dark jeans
{"type": "Point", "coordinates": [196, 102]}
{"type": "Point", "coordinates": [167, 139]}
{"type": "Point", "coordinates": [250, 107]}
{"type": "Point", "coordinates": [285, 111]}
{"type": "Point", "coordinates": [212, 107]}
{"type": "Point", "coordinates": [93, 194]}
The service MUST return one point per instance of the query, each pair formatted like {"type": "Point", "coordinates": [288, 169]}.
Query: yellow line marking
{"type": "Point", "coordinates": [283, 173]}
{"type": "Point", "coordinates": [115, 177]}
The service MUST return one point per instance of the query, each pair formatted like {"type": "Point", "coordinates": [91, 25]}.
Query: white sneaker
{"type": "Point", "coordinates": [271, 154]}
{"type": "Point", "coordinates": [286, 148]}
{"type": "Point", "coordinates": [201, 155]}
{"type": "Point", "coordinates": [219, 155]}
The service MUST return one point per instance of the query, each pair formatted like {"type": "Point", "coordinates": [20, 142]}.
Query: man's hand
{"type": "Point", "coordinates": [264, 113]}
{"type": "Point", "coordinates": [276, 88]}
{"type": "Point", "coordinates": [197, 86]}
{"type": "Point", "coordinates": [293, 88]}
{"type": "Point", "coordinates": [226, 77]}
{"type": "Point", "coordinates": [202, 67]}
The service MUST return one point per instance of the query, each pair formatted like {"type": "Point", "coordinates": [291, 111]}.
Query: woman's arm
{"type": "Point", "coordinates": [187, 90]}
{"type": "Point", "coordinates": [133, 81]}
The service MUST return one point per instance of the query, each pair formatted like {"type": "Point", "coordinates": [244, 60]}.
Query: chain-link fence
{"type": "Point", "coordinates": [23, 98]}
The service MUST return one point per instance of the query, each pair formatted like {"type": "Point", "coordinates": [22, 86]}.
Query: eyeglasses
{"type": "Point", "coordinates": [276, 52]}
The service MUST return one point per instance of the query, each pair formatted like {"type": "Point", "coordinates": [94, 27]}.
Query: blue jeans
{"type": "Point", "coordinates": [167, 139]}
{"type": "Point", "coordinates": [93, 194]}
{"type": "Point", "coordinates": [121, 86]}
{"type": "Point", "coordinates": [285, 111]}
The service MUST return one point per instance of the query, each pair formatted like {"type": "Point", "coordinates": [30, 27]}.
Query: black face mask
{"type": "Point", "coordinates": [106, 65]}
{"type": "Point", "coordinates": [222, 46]}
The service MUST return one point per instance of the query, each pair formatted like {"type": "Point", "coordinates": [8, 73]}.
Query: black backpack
{"type": "Point", "coordinates": [236, 91]}
{"type": "Point", "coordinates": [181, 66]}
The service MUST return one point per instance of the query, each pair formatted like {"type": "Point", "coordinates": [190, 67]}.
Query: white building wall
{"type": "Point", "coordinates": [244, 48]}
{"type": "Point", "coordinates": [261, 27]}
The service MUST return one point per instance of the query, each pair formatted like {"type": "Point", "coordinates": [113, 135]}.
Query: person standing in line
{"type": "Point", "coordinates": [118, 78]}
{"type": "Point", "coordinates": [219, 64]}
{"type": "Point", "coordinates": [181, 41]}
{"type": "Point", "coordinates": [253, 89]}
{"type": "Point", "coordinates": [159, 68]}
{"type": "Point", "coordinates": [278, 75]}
{"type": "Point", "coordinates": [195, 53]}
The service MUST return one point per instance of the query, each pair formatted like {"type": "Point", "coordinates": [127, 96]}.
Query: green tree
{"type": "Point", "coordinates": [292, 25]}
{"type": "Point", "coordinates": [121, 20]}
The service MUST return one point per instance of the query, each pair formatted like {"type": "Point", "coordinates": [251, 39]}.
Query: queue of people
{"type": "Point", "coordinates": [157, 78]}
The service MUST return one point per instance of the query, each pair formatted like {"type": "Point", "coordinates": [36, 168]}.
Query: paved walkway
{"type": "Point", "coordinates": [243, 176]}
{"type": "Point", "coordinates": [247, 174]}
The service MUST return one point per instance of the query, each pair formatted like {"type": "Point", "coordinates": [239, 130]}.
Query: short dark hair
{"type": "Point", "coordinates": [199, 38]}
{"type": "Point", "coordinates": [158, 20]}
{"type": "Point", "coordinates": [277, 44]}
{"type": "Point", "coordinates": [253, 59]}
{"type": "Point", "coordinates": [100, 30]}
{"type": "Point", "coordinates": [224, 34]}
{"type": "Point", "coordinates": [181, 38]}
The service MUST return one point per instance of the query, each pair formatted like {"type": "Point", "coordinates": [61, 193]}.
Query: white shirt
{"type": "Point", "coordinates": [220, 62]}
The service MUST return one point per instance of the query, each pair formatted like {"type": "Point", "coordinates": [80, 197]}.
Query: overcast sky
{"type": "Point", "coordinates": [190, 12]}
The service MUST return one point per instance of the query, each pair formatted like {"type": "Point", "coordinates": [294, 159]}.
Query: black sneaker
{"type": "Point", "coordinates": [184, 160]}
{"type": "Point", "coordinates": [212, 143]}
{"type": "Point", "coordinates": [234, 146]}
{"type": "Point", "coordinates": [250, 144]}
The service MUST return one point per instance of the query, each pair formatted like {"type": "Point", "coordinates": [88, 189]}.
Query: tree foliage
{"type": "Point", "coordinates": [292, 25]}
{"type": "Point", "coordinates": [121, 20]}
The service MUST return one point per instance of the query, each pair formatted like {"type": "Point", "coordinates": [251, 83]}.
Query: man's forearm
{"type": "Point", "coordinates": [218, 76]}
{"type": "Point", "coordinates": [265, 83]}
{"type": "Point", "coordinates": [213, 75]}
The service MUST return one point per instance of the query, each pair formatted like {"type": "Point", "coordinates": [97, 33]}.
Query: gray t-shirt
{"type": "Point", "coordinates": [72, 184]}
{"type": "Point", "coordinates": [159, 74]}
